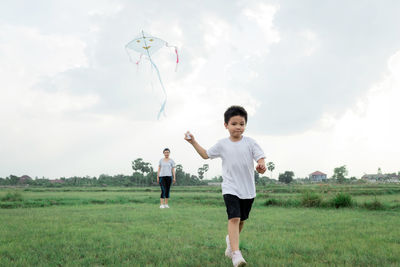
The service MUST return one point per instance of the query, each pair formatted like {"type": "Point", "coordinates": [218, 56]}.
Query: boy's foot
{"type": "Point", "coordinates": [166, 206]}
{"type": "Point", "coordinates": [228, 251]}
{"type": "Point", "coordinates": [162, 206]}
{"type": "Point", "coordinates": [237, 259]}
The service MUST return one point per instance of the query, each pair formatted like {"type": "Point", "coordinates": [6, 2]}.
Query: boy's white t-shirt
{"type": "Point", "coordinates": [237, 165]}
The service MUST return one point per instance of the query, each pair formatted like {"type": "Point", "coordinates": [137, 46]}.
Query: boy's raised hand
{"type": "Point", "coordinates": [261, 168]}
{"type": "Point", "coordinates": [189, 137]}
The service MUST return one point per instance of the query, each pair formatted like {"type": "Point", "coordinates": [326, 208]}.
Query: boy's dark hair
{"type": "Point", "coordinates": [235, 111]}
{"type": "Point", "coordinates": [166, 149]}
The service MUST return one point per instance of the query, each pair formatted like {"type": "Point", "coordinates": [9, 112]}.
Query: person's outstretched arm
{"type": "Point", "coordinates": [202, 152]}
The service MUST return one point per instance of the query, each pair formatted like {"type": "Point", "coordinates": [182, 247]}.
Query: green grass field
{"type": "Point", "coordinates": [125, 227]}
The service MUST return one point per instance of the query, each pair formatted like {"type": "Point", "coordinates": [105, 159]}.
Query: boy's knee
{"type": "Point", "coordinates": [235, 220]}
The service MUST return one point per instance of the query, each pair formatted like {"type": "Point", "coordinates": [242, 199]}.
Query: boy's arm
{"type": "Point", "coordinates": [202, 152]}
{"type": "Point", "coordinates": [158, 174]}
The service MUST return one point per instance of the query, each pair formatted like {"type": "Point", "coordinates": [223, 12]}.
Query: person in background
{"type": "Point", "coordinates": [165, 177]}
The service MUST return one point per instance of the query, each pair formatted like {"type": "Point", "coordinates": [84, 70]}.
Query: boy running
{"type": "Point", "coordinates": [238, 186]}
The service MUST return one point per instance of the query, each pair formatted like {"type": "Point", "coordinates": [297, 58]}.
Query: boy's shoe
{"type": "Point", "coordinates": [166, 206]}
{"type": "Point", "coordinates": [237, 259]}
{"type": "Point", "coordinates": [228, 250]}
{"type": "Point", "coordinates": [162, 206]}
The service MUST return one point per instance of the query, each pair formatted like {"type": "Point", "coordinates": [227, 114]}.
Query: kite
{"type": "Point", "coordinates": [146, 45]}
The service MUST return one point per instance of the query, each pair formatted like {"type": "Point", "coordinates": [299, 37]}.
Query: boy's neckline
{"type": "Point", "coordinates": [235, 141]}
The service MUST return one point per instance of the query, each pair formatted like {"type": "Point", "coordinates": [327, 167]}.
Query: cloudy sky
{"type": "Point", "coordinates": [320, 80]}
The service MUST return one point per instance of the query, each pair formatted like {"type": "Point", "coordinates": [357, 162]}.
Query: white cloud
{"type": "Point", "coordinates": [58, 102]}
{"type": "Point", "coordinates": [312, 42]}
{"type": "Point", "coordinates": [31, 53]}
{"type": "Point", "coordinates": [26, 57]}
{"type": "Point", "coordinates": [105, 9]}
{"type": "Point", "coordinates": [364, 138]}
{"type": "Point", "coordinates": [263, 15]}
{"type": "Point", "coordinates": [217, 32]}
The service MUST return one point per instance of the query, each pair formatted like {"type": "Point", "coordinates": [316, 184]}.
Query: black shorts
{"type": "Point", "coordinates": [237, 208]}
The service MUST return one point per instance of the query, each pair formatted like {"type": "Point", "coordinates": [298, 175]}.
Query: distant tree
{"type": "Point", "coordinates": [137, 164]}
{"type": "Point", "coordinates": [217, 179]}
{"type": "Point", "coordinates": [200, 172]}
{"type": "Point", "coordinates": [271, 167]}
{"type": "Point", "coordinates": [151, 177]}
{"type": "Point", "coordinates": [179, 167]}
{"type": "Point", "coordinates": [140, 166]}
{"type": "Point", "coordinates": [146, 168]}
{"type": "Point", "coordinates": [179, 174]}
{"type": "Point", "coordinates": [379, 170]}
{"type": "Point", "coordinates": [256, 177]}
{"type": "Point", "coordinates": [340, 173]}
{"type": "Point", "coordinates": [205, 169]}
{"type": "Point", "coordinates": [13, 180]}
{"type": "Point", "coordinates": [136, 178]}
{"type": "Point", "coordinates": [286, 177]}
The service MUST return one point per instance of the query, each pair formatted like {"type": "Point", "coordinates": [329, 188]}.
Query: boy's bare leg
{"type": "Point", "coordinates": [233, 231]}
{"type": "Point", "coordinates": [161, 201]}
{"type": "Point", "coordinates": [166, 201]}
{"type": "Point", "coordinates": [241, 224]}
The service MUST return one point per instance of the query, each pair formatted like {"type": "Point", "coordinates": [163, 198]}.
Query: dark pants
{"type": "Point", "coordinates": [165, 184]}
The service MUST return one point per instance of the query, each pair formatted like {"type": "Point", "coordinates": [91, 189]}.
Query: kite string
{"type": "Point", "coordinates": [162, 109]}
{"type": "Point", "coordinates": [151, 75]}
{"type": "Point", "coordinates": [162, 85]}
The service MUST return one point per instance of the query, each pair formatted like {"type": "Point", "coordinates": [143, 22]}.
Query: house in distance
{"type": "Point", "coordinates": [317, 176]}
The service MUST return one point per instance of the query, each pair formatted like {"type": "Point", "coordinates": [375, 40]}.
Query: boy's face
{"type": "Point", "coordinates": [166, 153]}
{"type": "Point", "coordinates": [236, 126]}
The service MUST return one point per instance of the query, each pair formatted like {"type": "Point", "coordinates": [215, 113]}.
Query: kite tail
{"type": "Point", "coordinates": [162, 109]}
{"type": "Point", "coordinates": [138, 62]}
{"type": "Point", "coordinates": [140, 58]}
{"type": "Point", "coordinates": [130, 58]}
{"type": "Point", "coordinates": [177, 58]}
{"type": "Point", "coordinates": [176, 52]}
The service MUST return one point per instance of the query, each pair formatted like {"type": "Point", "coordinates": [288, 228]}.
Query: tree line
{"type": "Point", "coordinates": [339, 176]}
{"type": "Point", "coordinates": [143, 175]}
